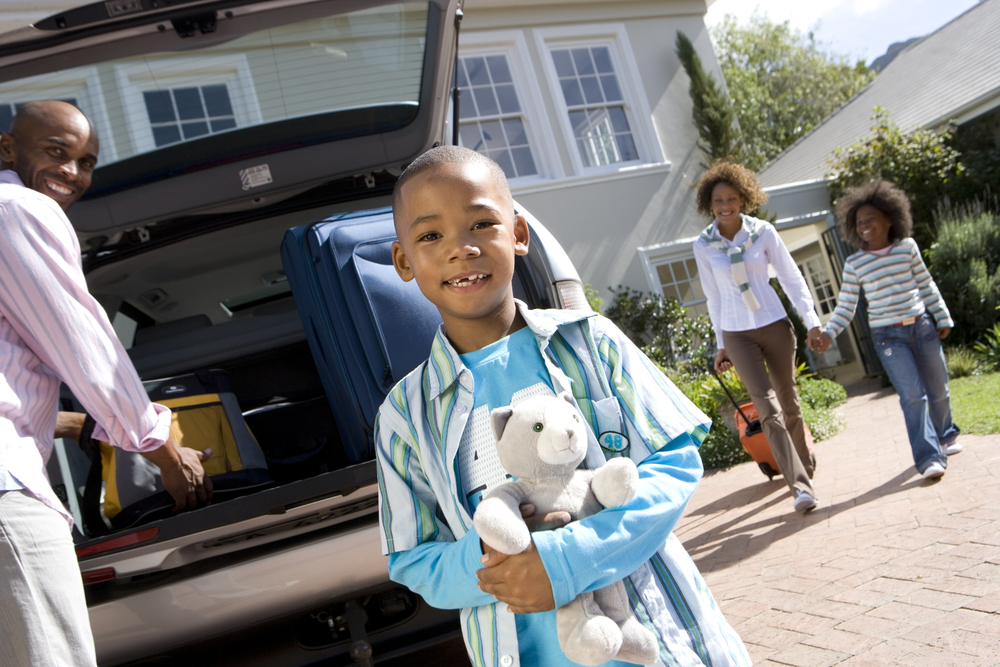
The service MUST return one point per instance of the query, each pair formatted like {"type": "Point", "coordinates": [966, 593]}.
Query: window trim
{"type": "Point", "coordinates": [512, 45]}
{"type": "Point", "coordinates": [667, 253]}
{"type": "Point", "coordinates": [231, 70]}
{"type": "Point", "coordinates": [615, 37]}
{"type": "Point", "coordinates": [76, 83]}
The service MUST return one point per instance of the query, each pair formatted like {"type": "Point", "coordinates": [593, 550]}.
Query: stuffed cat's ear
{"type": "Point", "coordinates": [499, 418]}
{"type": "Point", "coordinates": [565, 395]}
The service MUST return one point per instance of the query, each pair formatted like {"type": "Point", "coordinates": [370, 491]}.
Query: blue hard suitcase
{"type": "Point", "coordinates": [366, 328]}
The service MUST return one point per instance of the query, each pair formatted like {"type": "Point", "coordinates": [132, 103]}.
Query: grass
{"type": "Point", "coordinates": [974, 403]}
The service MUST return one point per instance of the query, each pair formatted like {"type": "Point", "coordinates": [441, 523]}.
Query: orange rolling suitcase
{"type": "Point", "coordinates": [752, 435]}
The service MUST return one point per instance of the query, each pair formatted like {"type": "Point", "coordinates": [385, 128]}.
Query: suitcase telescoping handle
{"type": "Point", "coordinates": [752, 426]}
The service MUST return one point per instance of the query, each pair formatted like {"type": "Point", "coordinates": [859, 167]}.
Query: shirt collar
{"type": "Point", "coordinates": [10, 176]}
{"type": "Point", "coordinates": [445, 365]}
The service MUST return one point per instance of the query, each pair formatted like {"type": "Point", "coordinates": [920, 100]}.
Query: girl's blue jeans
{"type": "Point", "coordinates": [914, 359]}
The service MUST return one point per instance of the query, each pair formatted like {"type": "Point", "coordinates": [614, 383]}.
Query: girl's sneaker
{"type": "Point", "coordinates": [951, 448]}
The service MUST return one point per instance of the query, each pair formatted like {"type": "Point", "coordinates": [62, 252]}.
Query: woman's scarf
{"type": "Point", "coordinates": [735, 253]}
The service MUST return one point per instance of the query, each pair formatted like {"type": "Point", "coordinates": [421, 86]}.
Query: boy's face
{"type": "Point", "coordinates": [458, 236]}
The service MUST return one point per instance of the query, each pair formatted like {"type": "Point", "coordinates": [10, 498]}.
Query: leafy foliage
{"type": "Point", "coordinates": [989, 348]}
{"type": "Point", "coordinates": [965, 263]}
{"type": "Point", "coordinates": [783, 83]}
{"type": "Point", "coordinates": [820, 393]}
{"type": "Point", "coordinates": [921, 163]}
{"type": "Point", "coordinates": [961, 362]}
{"type": "Point", "coordinates": [712, 110]}
{"type": "Point", "coordinates": [593, 297]}
{"type": "Point", "coordinates": [661, 327]}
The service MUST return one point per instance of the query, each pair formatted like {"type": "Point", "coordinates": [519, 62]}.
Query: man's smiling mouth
{"type": "Point", "coordinates": [59, 188]}
{"type": "Point", "coordinates": [466, 281]}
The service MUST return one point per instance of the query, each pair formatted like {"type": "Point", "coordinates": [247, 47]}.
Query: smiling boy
{"type": "Point", "coordinates": [458, 236]}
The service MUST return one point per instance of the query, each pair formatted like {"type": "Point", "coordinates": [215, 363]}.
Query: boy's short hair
{"type": "Point", "coordinates": [883, 195]}
{"type": "Point", "coordinates": [443, 155]}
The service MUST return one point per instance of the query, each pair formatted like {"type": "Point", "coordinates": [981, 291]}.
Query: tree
{"type": "Point", "coordinates": [782, 83]}
{"type": "Point", "coordinates": [921, 163]}
{"type": "Point", "coordinates": [711, 109]}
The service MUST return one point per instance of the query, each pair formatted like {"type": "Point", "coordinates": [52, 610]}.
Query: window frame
{"type": "Point", "coordinates": [671, 252]}
{"type": "Point", "coordinates": [512, 45]}
{"type": "Point", "coordinates": [614, 37]}
{"type": "Point", "coordinates": [134, 79]}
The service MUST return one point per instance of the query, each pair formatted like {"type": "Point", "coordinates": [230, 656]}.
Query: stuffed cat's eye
{"type": "Point", "coordinates": [538, 427]}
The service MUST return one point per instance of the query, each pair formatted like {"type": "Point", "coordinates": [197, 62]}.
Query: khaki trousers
{"type": "Point", "coordinates": [765, 361]}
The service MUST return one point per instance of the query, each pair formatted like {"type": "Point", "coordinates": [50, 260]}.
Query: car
{"type": "Point", "coordinates": [223, 125]}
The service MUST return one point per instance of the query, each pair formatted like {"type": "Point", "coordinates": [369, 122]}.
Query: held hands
{"type": "Point", "coordinates": [520, 580]}
{"type": "Point", "coordinates": [819, 341]}
{"type": "Point", "coordinates": [182, 474]}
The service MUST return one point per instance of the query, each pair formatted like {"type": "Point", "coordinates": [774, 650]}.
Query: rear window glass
{"type": "Point", "coordinates": [360, 59]}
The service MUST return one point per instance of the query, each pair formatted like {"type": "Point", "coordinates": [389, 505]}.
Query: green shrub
{"type": "Point", "coordinates": [989, 348]}
{"type": "Point", "coordinates": [820, 393]}
{"type": "Point", "coordinates": [722, 448]}
{"type": "Point", "coordinates": [823, 422]}
{"type": "Point", "coordinates": [961, 361]}
{"type": "Point", "coordinates": [965, 263]}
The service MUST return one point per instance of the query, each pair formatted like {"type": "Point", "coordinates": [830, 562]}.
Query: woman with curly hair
{"type": "Point", "coordinates": [902, 298]}
{"type": "Point", "coordinates": [752, 330]}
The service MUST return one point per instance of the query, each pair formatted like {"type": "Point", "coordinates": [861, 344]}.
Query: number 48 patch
{"type": "Point", "coordinates": [613, 442]}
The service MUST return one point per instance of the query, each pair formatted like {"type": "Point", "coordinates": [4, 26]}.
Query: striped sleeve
{"type": "Point", "coordinates": [847, 301]}
{"type": "Point", "coordinates": [407, 505]}
{"type": "Point", "coordinates": [929, 292]}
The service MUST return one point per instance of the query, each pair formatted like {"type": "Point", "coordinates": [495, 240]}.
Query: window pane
{"type": "Point", "coordinates": [571, 91]}
{"type": "Point", "coordinates": [217, 101]}
{"type": "Point", "coordinates": [467, 104]}
{"type": "Point", "coordinates": [502, 158]}
{"type": "Point", "coordinates": [663, 273]}
{"type": "Point", "coordinates": [602, 58]}
{"type": "Point", "coordinates": [499, 69]}
{"type": "Point", "coordinates": [167, 134]}
{"type": "Point", "coordinates": [189, 104]}
{"type": "Point", "coordinates": [591, 90]}
{"type": "Point", "coordinates": [508, 99]}
{"type": "Point", "coordinates": [618, 120]}
{"type": "Point", "coordinates": [159, 107]}
{"type": "Point", "coordinates": [584, 65]}
{"type": "Point", "coordinates": [626, 148]}
{"type": "Point", "coordinates": [478, 75]}
{"type": "Point", "coordinates": [192, 130]}
{"type": "Point", "coordinates": [680, 271]}
{"type": "Point", "coordinates": [611, 90]}
{"type": "Point", "coordinates": [523, 161]}
{"type": "Point", "coordinates": [486, 101]}
{"type": "Point", "coordinates": [493, 134]}
{"type": "Point", "coordinates": [671, 292]}
{"type": "Point", "coordinates": [470, 137]}
{"type": "Point", "coordinates": [223, 124]}
{"type": "Point", "coordinates": [516, 135]}
{"type": "Point", "coordinates": [563, 63]}
{"type": "Point", "coordinates": [463, 78]}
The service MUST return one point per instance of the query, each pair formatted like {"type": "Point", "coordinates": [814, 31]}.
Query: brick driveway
{"type": "Point", "coordinates": [889, 570]}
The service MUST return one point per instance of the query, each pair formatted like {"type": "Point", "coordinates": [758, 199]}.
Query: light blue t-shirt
{"type": "Point", "coordinates": [506, 373]}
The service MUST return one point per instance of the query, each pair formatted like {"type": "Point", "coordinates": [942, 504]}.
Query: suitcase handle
{"type": "Point", "coordinates": [750, 426]}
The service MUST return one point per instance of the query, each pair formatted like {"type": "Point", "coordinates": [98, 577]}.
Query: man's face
{"type": "Point", "coordinates": [458, 237]}
{"type": "Point", "coordinates": [54, 154]}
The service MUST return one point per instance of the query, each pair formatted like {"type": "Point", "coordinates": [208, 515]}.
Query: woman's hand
{"type": "Point", "coordinates": [722, 362]}
{"type": "Point", "coordinates": [821, 343]}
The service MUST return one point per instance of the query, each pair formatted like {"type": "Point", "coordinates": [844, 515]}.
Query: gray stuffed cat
{"type": "Point", "coordinates": [541, 441]}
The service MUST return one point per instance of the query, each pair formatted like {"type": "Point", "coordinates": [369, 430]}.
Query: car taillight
{"type": "Point", "coordinates": [572, 297]}
{"type": "Point", "coordinates": [137, 537]}
{"type": "Point", "coordinates": [94, 576]}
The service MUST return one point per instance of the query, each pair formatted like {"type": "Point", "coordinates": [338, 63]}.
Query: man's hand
{"type": "Point", "coordinates": [182, 474]}
{"type": "Point", "coordinates": [722, 363]}
{"type": "Point", "coordinates": [69, 425]}
{"type": "Point", "coordinates": [943, 332]}
{"type": "Point", "coordinates": [520, 581]}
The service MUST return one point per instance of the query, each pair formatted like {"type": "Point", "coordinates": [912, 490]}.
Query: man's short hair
{"type": "Point", "coordinates": [443, 155]}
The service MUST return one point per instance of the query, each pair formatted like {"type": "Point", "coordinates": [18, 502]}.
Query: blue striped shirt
{"type": "Point", "coordinates": [897, 286]}
{"type": "Point", "coordinates": [433, 545]}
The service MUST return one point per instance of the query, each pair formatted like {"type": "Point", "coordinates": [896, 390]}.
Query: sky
{"type": "Point", "coordinates": [855, 28]}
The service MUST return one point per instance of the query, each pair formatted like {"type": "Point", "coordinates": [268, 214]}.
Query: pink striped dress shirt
{"type": "Point", "coordinates": [52, 330]}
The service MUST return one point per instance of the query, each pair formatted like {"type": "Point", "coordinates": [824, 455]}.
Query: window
{"type": "Point", "coordinates": [595, 83]}
{"type": "Point", "coordinates": [820, 285]}
{"type": "Point", "coordinates": [593, 98]}
{"type": "Point", "coordinates": [185, 113]}
{"type": "Point", "coordinates": [679, 280]}
{"type": "Point", "coordinates": [8, 109]}
{"type": "Point", "coordinates": [491, 120]}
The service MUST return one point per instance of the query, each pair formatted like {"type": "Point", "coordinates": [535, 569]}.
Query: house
{"type": "Point", "coordinates": [951, 75]}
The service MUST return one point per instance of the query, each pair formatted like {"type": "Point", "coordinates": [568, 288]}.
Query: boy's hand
{"type": "Point", "coordinates": [520, 581]}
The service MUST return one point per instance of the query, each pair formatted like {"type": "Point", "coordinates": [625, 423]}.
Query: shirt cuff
{"type": "Point", "coordinates": [154, 439]}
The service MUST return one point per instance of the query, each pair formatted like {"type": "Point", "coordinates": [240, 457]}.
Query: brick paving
{"type": "Point", "coordinates": [888, 570]}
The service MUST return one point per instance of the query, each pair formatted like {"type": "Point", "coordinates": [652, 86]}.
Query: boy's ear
{"type": "Point", "coordinates": [401, 263]}
{"type": "Point", "coordinates": [8, 148]}
{"type": "Point", "coordinates": [521, 235]}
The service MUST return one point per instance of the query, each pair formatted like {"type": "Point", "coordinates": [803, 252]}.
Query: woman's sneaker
{"type": "Point", "coordinates": [933, 471]}
{"type": "Point", "coordinates": [951, 448]}
{"type": "Point", "coordinates": [804, 502]}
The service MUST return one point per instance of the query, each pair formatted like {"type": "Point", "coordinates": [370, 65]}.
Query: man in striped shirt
{"type": "Point", "coordinates": [51, 331]}
{"type": "Point", "coordinates": [458, 236]}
